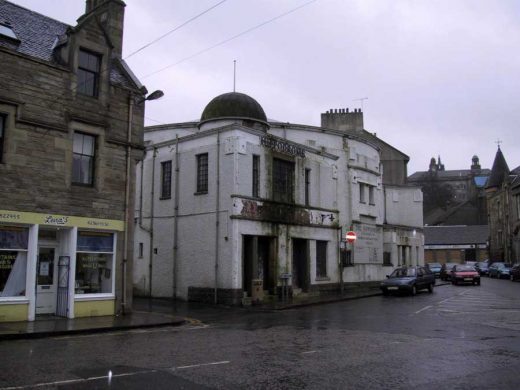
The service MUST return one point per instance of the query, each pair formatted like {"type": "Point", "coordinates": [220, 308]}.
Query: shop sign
{"type": "Point", "coordinates": [59, 220]}
{"type": "Point", "coordinates": [281, 146]}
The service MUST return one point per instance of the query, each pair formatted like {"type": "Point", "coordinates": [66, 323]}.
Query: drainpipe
{"type": "Point", "coordinates": [175, 217]}
{"type": "Point", "coordinates": [127, 200]}
{"type": "Point", "coordinates": [152, 202]}
{"type": "Point", "coordinates": [339, 260]}
{"type": "Point", "coordinates": [217, 220]}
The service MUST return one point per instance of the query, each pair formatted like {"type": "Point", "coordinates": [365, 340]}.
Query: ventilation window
{"type": "Point", "coordinates": [7, 31]}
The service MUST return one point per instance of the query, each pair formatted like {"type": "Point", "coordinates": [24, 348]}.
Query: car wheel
{"type": "Point", "coordinates": [386, 292]}
{"type": "Point", "coordinates": [512, 278]}
{"type": "Point", "coordinates": [430, 288]}
{"type": "Point", "coordinates": [414, 290]}
{"type": "Point", "coordinates": [478, 282]}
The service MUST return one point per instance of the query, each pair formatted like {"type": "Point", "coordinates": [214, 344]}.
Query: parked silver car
{"type": "Point", "coordinates": [499, 270]}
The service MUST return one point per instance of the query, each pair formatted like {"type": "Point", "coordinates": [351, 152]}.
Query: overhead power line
{"type": "Point", "coordinates": [174, 29]}
{"type": "Point", "coordinates": [229, 39]}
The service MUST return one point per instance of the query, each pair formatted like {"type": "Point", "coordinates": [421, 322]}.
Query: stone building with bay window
{"type": "Point", "coordinates": [236, 201]}
{"type": "Point", "coordinates": [71, 131]}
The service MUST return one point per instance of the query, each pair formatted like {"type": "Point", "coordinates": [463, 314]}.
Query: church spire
{"type": "Point", "coordinates": [499, 172]}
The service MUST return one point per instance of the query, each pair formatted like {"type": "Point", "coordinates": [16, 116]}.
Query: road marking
{"type": "Point", "coordinates": [424, 308]}
{"type": "Point", "coordinates": [82, 380]}
{"type": "Point", "coordinates": [201, 365]}
{"type": "Point", "coordinates": [304, 353]}
{"type": "Point", "coordinates": [134, 331]}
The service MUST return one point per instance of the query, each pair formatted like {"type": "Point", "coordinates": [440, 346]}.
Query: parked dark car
{"type": "Point", "coordinates": [515, 272]}
{"type": "Point", "coordinates": [499, 270]}
{"type": "Point", "coordinates": [446, 271]}
{"type": "Point", "coordinates": [462, 273]}
{"type": "Point", "coordinates": [482, 267]}
{"type": "Point", "coordinates": [435, 268]}
{"type": "Point", "coordinates": [409, 280]}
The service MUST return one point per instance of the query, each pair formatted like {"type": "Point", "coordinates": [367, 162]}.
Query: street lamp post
{"type": "Point", "coordinates": [131, 101]}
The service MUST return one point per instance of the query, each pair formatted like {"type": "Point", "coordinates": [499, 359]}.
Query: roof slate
{"type": "Point", "coordinates": [456, 235]}
{"type": "Point", "coordinates": [39, 35]}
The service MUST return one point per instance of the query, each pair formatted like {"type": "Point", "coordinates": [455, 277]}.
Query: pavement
{"type": "Point", "coordinates": [155, 312]}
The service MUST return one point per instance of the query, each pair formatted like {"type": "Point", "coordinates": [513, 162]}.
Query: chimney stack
{"type": "Point", "coordinates": [111, 14]}
{"type": "Point", "coordinates": [342, 119]}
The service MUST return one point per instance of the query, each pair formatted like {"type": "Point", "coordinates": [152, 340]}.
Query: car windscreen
{"type": "Point", "coordinates": [482, 264]}
{"type": "Point", "coordinates": [402, 272]}
{"type": "Point", "coordinates": [434, 265]}
{"type": "Point", "coordinates": [464, 268]}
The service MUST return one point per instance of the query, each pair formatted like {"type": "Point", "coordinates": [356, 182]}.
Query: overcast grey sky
{"type": "Point", "coordinates": [441, 76]}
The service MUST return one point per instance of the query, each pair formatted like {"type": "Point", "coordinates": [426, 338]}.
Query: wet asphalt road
{"type": "Point", "coordinates": [459, 337]}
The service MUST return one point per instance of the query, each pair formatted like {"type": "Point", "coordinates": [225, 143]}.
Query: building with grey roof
{"type": "Point", "coordinates": [71, 129]}
{"type": "Point", "coordinates": [235, 207]}
{"type": "Point", "coordinates": [453, 197]}
{"type": "Point", "coordinates": [503, 197]}
{"type": "Point", "coordinates": [455, 244]}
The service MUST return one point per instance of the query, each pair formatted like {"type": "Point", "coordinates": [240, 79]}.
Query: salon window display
{"type": "Point", "coordinates": [94, 263]}
{"type": "Point", "coordinates": [13, 261]}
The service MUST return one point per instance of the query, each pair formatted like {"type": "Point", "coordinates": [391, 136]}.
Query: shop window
{"type": "Point", "coordinates": [202, 173]}
{"type": "Point", "coordinates": [88, 73]}
{"type": "Point", "coordinates": [283, 180]}
{"type": "Point", "coordinates": [94, 263]}
{"type": "Point", "coordinates": [2, 136]}
{"type": "Point", "coordinates": [84, 146]}
{"type": "Point", "coordinates": [321, 259]}
{"type": "Point", "coordinates": [13, 261]}
{"type": "Point", "coordinates": [166, 180]}
{"type": "Point", "coordinates": [256, 176]}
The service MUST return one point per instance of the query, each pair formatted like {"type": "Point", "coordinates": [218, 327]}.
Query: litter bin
{"type": "Point", "coordinates": [257, 290]}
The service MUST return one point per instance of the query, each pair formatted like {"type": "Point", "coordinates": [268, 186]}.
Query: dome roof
{"type": "Point", "coordinates": [233, 105]}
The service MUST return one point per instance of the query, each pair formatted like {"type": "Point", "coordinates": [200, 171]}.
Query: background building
{"type": "Point", "coordinates": [453, 197]}
{"type": "Point", "coordinates": [455, 244]}
{"type": "Point", "coordinates": [235, 198]}
{"type": "Point", "coordinates": [503, 197]}
{"type": "Point", "coordinates": [70, 134]}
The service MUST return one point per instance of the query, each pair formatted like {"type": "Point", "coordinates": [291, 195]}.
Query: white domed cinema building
{"type": "Point", "coordinates": [236, 199]}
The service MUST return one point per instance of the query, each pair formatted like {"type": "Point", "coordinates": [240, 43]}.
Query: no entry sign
{"type": "Point", "coordinates": [351, 237]}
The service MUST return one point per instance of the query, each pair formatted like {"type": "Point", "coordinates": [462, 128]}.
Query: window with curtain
{"type": "Point", "coordinates": [2, 136]}
{"type": "Point", "coordinates": [13, 261]}
{"type": "Point", "coordinates": [89, 69]}
{"type": "Point", "coordinates": [83, 159]}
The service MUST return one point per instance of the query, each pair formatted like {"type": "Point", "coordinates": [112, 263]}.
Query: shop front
{"type": "Point", "coordinates": [56, 265]}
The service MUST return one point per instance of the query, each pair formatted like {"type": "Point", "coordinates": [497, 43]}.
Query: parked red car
{"type": "Point", "coordinates": [461, 273]}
